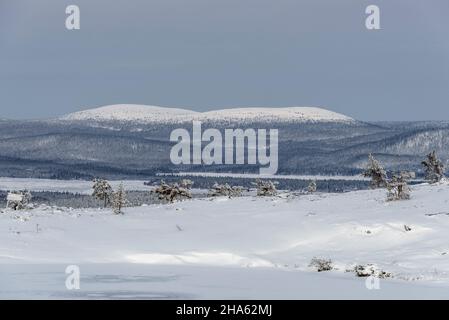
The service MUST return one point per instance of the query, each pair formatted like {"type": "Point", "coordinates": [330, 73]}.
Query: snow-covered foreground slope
{"type": "Point", "coordinates": [154, 114]}
{"type": "Point", "coordinates": [233, 248]}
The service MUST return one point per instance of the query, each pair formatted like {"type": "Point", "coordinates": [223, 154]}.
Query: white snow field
{"type": "Point", "coordinates": [241, 248]}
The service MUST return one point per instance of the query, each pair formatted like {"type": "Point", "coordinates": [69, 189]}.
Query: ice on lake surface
{"type": "Point", "coordinates": [112, 281]}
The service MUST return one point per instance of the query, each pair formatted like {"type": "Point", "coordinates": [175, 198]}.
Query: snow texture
{"type": "Point", "coordinates": [246, 247]}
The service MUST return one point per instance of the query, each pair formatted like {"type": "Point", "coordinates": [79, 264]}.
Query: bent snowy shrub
{"type": "Point", "coordinates": [265, 188]}
{"type": "Point", "coordinates": [370, 270]}
{"type": "Point", "coordinates": [225, 190]}
{"type": "Point", "coordinates": [321, 265]}
{"type": "Point", "coordinates": [175, 191]}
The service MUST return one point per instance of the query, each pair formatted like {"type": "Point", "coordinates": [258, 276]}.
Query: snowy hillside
{"type": "Point", "coordinates": [234, 248]}
{"type": "Point", "coordinates": [115, 149]}
{"type": "Point", "coordinates": [152, 114]}
{"type": "Point", "coordinates": [293, 114]}
{"type": "Point", "coordinates": [131, 112]}
{"type": "Point", "coordinates": [422, 143]}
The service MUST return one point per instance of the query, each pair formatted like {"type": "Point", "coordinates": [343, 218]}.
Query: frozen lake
{"type": "Point", "coordinates": [136, 281]}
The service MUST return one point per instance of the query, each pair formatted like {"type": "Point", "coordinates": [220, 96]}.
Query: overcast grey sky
{"type": "Point", "coordinates": [210, 54]}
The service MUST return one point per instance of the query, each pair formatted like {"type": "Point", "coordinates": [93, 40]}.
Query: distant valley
{"type": "Point", "coordinates": [132, 142]}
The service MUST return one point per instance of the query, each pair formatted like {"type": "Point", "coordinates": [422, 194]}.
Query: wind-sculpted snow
{"type": "Point", "coordinates": [260, 235]}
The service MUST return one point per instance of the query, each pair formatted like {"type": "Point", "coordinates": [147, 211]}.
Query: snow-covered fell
{"type": "Point", "coordinates": [131, 112]}
{"type": "Point", "coordinates": [153, 114]}
{"type": "Point", "coordinates": [294, 114]}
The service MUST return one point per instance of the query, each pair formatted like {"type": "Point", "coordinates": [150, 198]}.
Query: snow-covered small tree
{"type": "Point", "coordinates": [102, 191]}
{"type": "Point", "coordinates": [18, 200]}
{"type": "Point", "coordinates": [225, 190]}
{"type": "Point", "coordinates": [175, 191]}
{"type": "Point", "coordinates": [397, 186]}
{"type": "Point", "coordinates": [265, 187]}
{"type": "Point", "coordinates": [312, 186]}
{"type": "Point", "coordinates": [433, 167]}
{"type": "Point", "coordinates": [119, 199]}
{"type": "Point", "coordinates": [376, 172]}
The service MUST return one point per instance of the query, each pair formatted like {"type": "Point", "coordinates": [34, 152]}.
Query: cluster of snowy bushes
{"type": "Point", "coordinates": [397, 186]}
{"type": "Point", "coordinates": [172, 192]}
{"type": "Point", "coordinates": [220, 190]}
{"type": "Point", "coordinates": [360, 270]}
{"type": "Point", "coordinates": [320, 264]}
{"type": "Point", "coordinates": [299, 183]}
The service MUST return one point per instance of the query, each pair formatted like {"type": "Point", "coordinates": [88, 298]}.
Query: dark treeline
{"type": "Point", "coordinates": [76, 200]}
{"type": "Point", "coordinates": [284, 184]}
